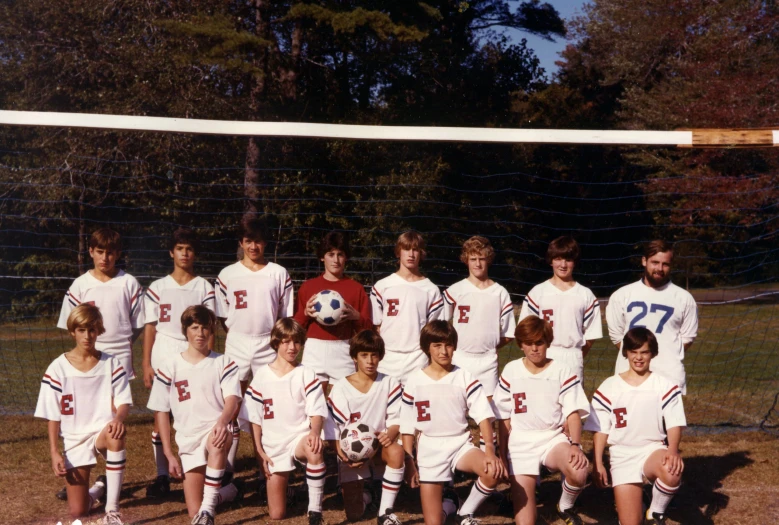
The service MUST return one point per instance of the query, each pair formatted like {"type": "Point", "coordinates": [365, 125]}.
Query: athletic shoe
{"type": "Point", "coordinates": [203, 518]}
{"type": "Point", "coordinates": [653, 518]}
{"type": "Point", "coordinates": [240, 488]}
{"type": "Point", "coordinates": [372, 505]}
{"type": "Point", "coordinates": [62, 494]}
{"type": "Point", "coordinates": [159, 488]}
{"type": "Point", "coordinates": [568, 516]}
{"type": "Point", "coordinates": [315, 518]}
{"type": "Point", "coordinates": [102, 479]}
{"type": "Point", "coordinates": [468, 519]}
{"type": "Point", "coordinates": [112, 518]}
{"type": "Point", "coordinates": [388, 519]}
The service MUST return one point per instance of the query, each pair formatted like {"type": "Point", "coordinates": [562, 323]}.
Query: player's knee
{"type": "Point", "coordinates": [314, 457]}
{"type": "Point", "coordinates": [488, 481]}
{"type": "Point", "coordinates": [577, 478]}
{"type": "Point", "coordinates": [668, 478]}
{"type": "Point", "coordinates": [78, 509]}
{"type": "Point", "coordinates": [277, 513]}
{"type": "Point", "coordinates": [395, 456]}
{"type": "Point", "coordinates": [115, 445]}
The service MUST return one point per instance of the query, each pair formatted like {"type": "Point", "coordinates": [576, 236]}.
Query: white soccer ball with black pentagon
{"type": "Point", "coordinates": [359, 442]}
{"type": "Point", "coordinates": [328, 307]}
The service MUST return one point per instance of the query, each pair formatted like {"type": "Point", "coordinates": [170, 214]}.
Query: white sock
{"type": "Point", "coordinates": [390, 485]}
{"type": "Point", "coordinates": [159, 457]}
{"type": "Point", "coordinates": [662, 495]}
{"type": "Point", "coordinates": [96, 491]}
{"type": "Point", "coordinates": [233, 448]}
{"type": "Point", "coordinates": [569, 495]}
{"type": "Point", "coordinates": [315, 479]}
{"type": "Point", "coordinates": [211, 490]}
{"type": "Point", "coordinates": [478, 494]}
{"type": "Point", "coordinates": [483, 444]}
{"type": "Point", "coordinates": [448, 509]}
{"type": "Point", "coordinates": [227, 494]}
{"type": "Point", "coordinates": [114, 473]}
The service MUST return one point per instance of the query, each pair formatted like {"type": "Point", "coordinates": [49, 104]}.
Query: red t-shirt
{"type": "Point", "coordinates": [352, 292]}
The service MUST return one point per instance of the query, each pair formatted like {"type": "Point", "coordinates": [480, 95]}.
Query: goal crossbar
{"type": "Point", "coordinates": [726, 138]}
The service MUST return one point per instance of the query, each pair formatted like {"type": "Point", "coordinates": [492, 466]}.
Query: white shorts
{"type": "Point", "coordinates": [249, 352]}
{"type": "Point", "coordinates": [165, 347]}
{"type": "Point", "coordinates": [528, 451]}
{"type": "Point", "coordinates": [80, 451]}
{"type": "Point", "coordinates": [123, 352]}
{"type": "Point", "coordinates": [569, 357]}
{"type": "Point", "coordinates": [193, 452]}
{"type": "Point", "coordinates": [283, 454]}
{"type": "Point", "coordinates": [437, 457]}
{"type": "Point", "coordinates": [329, 359]}
{"type": "Point", "coordinates": [401, 364]}
{"type": "Point", "coordinates": [627, 463]}
{"type": "Point", "coordinates": [483, 367]}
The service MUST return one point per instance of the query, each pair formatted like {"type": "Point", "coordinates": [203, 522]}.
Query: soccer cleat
{"type": "Point", "coordinates": [203, 518]}
{"type": "Point", "coordinates": [112, 518]}
{"type": "Point", "coordinates": [468, 519]}
{"type": "Point", "coordinates": [159, 488]}
{"type": "Point", "coordinates": [653, 518]}
{"type": "Point", "coordinates": [388, 519]}
{"type": "Point", "coordinates": [62, 494]}
{"type": "Point", "coordinates": [315, 518]}
{"type": "Point", "coordinates": [568, 516]}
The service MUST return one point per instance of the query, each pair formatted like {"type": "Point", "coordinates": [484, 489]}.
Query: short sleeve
{"type": "Point", "coordinates": [252, 408]}
{"type": "Point", "coordinates": [50, 396]}
{"type": "Point", "coordinates": [159, 398]}
{"type": "Point", "coordinates": [436, 309]}
{"type": "Point", "coordinates": [615, 317]}
{"type": "Point", "coordinates": [479, 407]}
{"type": "Point", "coordinates": [572, 397]}
{"type": "Point", "coordinates": [221, 302]}
{"type": "Point", "coordinates": [408, 417]}
{"type": "Point", "coordinates": [507, 321]}
{"type": "Point", "coordinates": [673, 408]}
{"type": "Point", "coordinates": [529, 307]}
{"type": "Point", "coordinates": [600, 412]}
{"type": "Point", "coordinates": [593, 323]}
{"type": "Point", "coordinates": [209, 299]}
{"type": "Point", "coordinates": [228, 379]}
{"type": "Point", "coordinates": [287, 301]}
{"type": "Point", "coordinates": [151, 305]}
{"type": "Point", "coordinates": [71, 300]}
{"type": "Point", "coordinates": [339, 405]}
{"type": "Point", "coordinates": [689, 329]}
{"type": "Point", "coordinates": [502, 396]}
{"type": "Point", "coordinates": [449, 304]}
{"type": "Point", "coordinates": [316, 404]}
{"type": "Point", "coordinates": [120, 386]}
{"type": "Point", "coordinates": [136, 304]}
{"type": "Point", "coordinates": [394, 402]}
{"type": "Point", "coordinates": [377, 305]}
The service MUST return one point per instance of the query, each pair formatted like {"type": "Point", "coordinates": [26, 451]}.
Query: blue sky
{"type": "Point", "coordinates": [545, 50]}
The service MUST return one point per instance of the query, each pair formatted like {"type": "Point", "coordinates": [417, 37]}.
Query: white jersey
{"type": "Point", "coordinates": [669, 312]}
{"type": "Point", "coordinates": [482, 317]}
{"type": "Point", "coordinates": [542, 401]}
{"type": "Point", "coordinates": [166, 300]}
{"type": "Point", "coordinates": [282, 405]}
{"type": "Point", "coordinates": [439, 408]}
{"type": "Point", "coordinates": [119, 299]}
{"type": "Point", "coordinates": [83, 402]}
{"type": "Point", "coordinates": [403, 308]}
{"type": "Point", "coordinates": [574, 313]}
{"type": "Point", "coordinates": [252, 302]}
{"type": "Point", "coordinates": [194, 394]}
{"type": "Point", "coordinates": [378, 408]}
{"type": "Point", "coordinates": [633, 415]}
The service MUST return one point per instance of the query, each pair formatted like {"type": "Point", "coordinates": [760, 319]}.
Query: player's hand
{"type": "Point", "coordinates": [148, 375]}
{"type": "Point", "coordinates": [116, 429]}
{"type": "Point", "coordinates": [267, 462]}
{"type": "Point", "coordinates": [219, 434]}
{"type": "Point", "coordinates": [576, 458]}
{"type": "Point", "coordinates": [174, 467]}
{"type": "Point", "coordinates": [384, 439]}
{"type": "Point", "coordinates": [314, 442]}
{"type": "Point", "coordinates": [310, 307]}
{"type": "Point", "coordinates": [673, 462]}
{"type": "Point", "coordinates": [58, 465]}
{"type": "Point", "coordinates": [600, 476]}
{"type": "Point", "coordinates": [349, 313]}
{"type": "Point", "coordinates": [412, 475]}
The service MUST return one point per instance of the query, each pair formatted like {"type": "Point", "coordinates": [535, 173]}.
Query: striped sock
{"type": "Point", "coordinates": [390, 485]}
{"type": "Point", "coordinates": [569, 495]}
{"type": "Point", "coordinates": [234, 448]}
{"type": "Point", "coordinates": [211, 490]}
{"type": "Point", "coordinates": [479, 492]}
{"type": "Point", "coordinates": [315, 478]}
{"type": "Point", "coordinates": [662, 495]}
{"type": "Point", "coordinates": [114, 473]}
{"type": "Point", "coordinates": [483, 444]}
{"type": "Point", "coordinates": [159, 457]}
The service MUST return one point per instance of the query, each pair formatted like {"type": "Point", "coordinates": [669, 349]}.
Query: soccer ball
{"type": "Point", "coordinates": [329, 307]}
{"type": "Point", "coordinates": [359, 442]}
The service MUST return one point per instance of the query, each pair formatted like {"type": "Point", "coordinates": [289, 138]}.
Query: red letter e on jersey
{"type": "Point", "coordinates": [66, 405]}
{"type": "Point", "coordinates": [392, 307]}
{"type": "Point", "coordinates": [422, 413]}
{"type": "Point", "coordinates": [165, 313]}
{"type": "Point", "coordinates": [240, 303]}
{"type": "Point", "coordinates": [181, 386]}
{"type": "Point", "coordinates": [519, 408]}
{"type": "Point", "coordinates": [463, 314]}
{"type": "Point", "coordinates": [619, 414]}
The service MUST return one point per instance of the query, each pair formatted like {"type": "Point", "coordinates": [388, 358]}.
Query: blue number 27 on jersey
{"type": "Point", "coordinates": [668, 311]}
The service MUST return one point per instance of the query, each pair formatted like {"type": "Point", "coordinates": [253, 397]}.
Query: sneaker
{"type": "Point", "coordinates": [112, 518]}
{"type": "Point", "coordinates": [388, 519]}
{"type": "Point", "coordinates": [62, 494]}
{"type": "Point", "coordinates": [653, 518]}
{"type": "Point", "coordinates": [159, 488]}
{"type": "Point", "coordinates": [203, 518]}
{"type": "Point", "coordinates": [468, 519]}
{"type": "Point", "coordinates": [315, 518]}
{"type": "Point", "coordinates": [568, 516]}
{"type": "Point", "coordinates": [102, 479]}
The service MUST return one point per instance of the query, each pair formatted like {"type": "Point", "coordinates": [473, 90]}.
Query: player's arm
{"type": "Point", "coordinates": [504, 430]}
{"type": "Point", "coordinates": [586, 348]}
{"type": "Point", "coordinates": [392, 434]}
{"type": "Point", "coordinates": [492, 463]}
{"type": "Point", "coordinates": [600, 474]}
{"type": "Point", "coordinates": [221, 429]}
{"type": "Point", "coordinates": [163, 424]}
{"type": "Point", "coordinates": [412, 475]}
{"type": "Point", "coordinates": [673, 459]}
{"type": "Point", "coordinates": [615, 319]}
{"type": "Point", "coordinates": [57, 461]}
{"type": "Point", "coordinates": [266, 460]}
{"type": "Point", "coordinates": [314, 435]}
{"type": "Point", "coordinates": [576, 457]}
{"type": "Point", "coordinates": [116, 427]}
{"type": "Point", "coordinates": [149, 335]}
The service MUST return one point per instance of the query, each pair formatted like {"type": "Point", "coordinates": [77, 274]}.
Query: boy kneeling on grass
{"type": "Point", "coordinates": [85, 397]}
{"type": "Point", "coordinates": [201, 389]}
